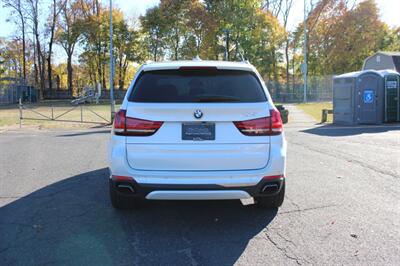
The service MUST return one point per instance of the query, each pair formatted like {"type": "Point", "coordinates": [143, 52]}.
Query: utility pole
{"type": "Point", "coordinates": [111, 65]}
{"type": "Point", "coordinates": [305, 67]}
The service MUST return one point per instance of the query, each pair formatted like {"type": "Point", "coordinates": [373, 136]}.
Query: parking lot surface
{"type": "Point", "coordinates": [342, 206]}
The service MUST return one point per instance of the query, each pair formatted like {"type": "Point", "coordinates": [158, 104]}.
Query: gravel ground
{"type": "Point", "coordinates": [342, 206]}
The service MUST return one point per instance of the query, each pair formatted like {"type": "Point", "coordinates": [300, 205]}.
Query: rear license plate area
{"type": "Point", "coordinates": [198, 131]}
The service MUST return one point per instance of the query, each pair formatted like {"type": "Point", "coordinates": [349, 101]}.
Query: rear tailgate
{"type": "Point", "coordinates": [166, 149]}
{"type": "Point", "coordinates": [218, 98]}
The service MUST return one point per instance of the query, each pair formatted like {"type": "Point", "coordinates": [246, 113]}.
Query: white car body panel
{"type": "Point", "coordinates": [204, 63]}
{"type": "Point", "coordinates": [197, 157]}
{"type": "Point", "coordinates": [118, 164]}
{"type": "Point", "coordinates": [216, 112]}
{"type": "Point", "coordinates": [231, 160]}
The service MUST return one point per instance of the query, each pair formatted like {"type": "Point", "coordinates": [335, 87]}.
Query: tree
{"type": "Point", "coordinates": [18, 8]}
{"type": "Point", "coordinates": [68, 31]}
{"type": "Point", "coordinates": [57, 7]}
{"type": "Point", "coordinates": [285, 15]}
{"type": "Point", "coordinates": [176, 13]}
{"type": "Point", "coordinates": [10, 58]}
{"type": "Point", "coordinates": [274, 6]}
{"type": "Point", "coordinates": [391, 39]}
{"type": "Point", "coordinates": [363, 34]}
{"type": "Point", "coordinates": [340, 38]}
{"type": "Point", "coordinates": [268, 37]}
{"type": "Point", "coordinates": [341, 34]}
{"type": "Point", "coordinates": [126, 46]}
{"type": "Point", "coordinates": [34, 14]}
{"type": "Point", "coordinates": [281, 9]}
{"type": "Point", "coordinates": [201, 26]}
{"type": "Point", "coordinates": [95, 39]}
{"type": "Point", "coordinates": [323, 22]}
{"type": "Point", "coordinates": [153, 26]}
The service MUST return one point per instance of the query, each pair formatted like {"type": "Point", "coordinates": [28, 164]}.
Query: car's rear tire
{"type": "Point", "coordinates": [121, 202]}
{"type": "Point", "coordinates": [270, 202]}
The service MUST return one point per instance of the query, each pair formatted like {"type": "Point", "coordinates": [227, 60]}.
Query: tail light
{"type": "Point", "coordinates": [276, 122]}
{"type": "Point", "coordinates": [266, 126]}
{"type": "Point", "coordinates": [120, 178]}
{"type": "Point", "coordinates": [128, 126]}
{"type": "Point", "coordinates": [273, 177]}
{"type": "Point", "coordinates": [198, 68]}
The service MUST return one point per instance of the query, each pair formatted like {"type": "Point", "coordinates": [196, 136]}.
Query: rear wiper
{"type": "Point", "coordinates": [217, 98]}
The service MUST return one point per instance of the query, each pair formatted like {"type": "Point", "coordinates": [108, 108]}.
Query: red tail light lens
{"type": "Point", "coordinates": [255, 127]}
{"type": "Point", "coordinates": [198, 68]}
{"type": "Point", "coordinates": [119, 122]}
{"type": "Point", "coordinates": [266, 126]}
{"type": "Point", "coordinates": [128, 126]}
{"type": "Point", "coordinates": [276, 122]}
{"type": "Point", "coordinates": [120, 178]}
{"type": "Point", "coordinates": [139, 127]}
{"type": "Point", "coordinates": [273, 177]}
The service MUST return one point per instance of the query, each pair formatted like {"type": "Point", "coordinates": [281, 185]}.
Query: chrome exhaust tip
{"type": "Point", "coordinates": [124, 188]}
{"type": "Point", "coordinates": [270, 188]}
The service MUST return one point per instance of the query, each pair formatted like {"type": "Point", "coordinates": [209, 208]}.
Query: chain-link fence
{"type": "Point", "coordinates": [11, 93]}
{"type": "Point", "coordinates": [318, 89]}
{"type": "Point", "coordinates": [57, 94]}
{"type": "Point", "coordinates": [66, 94]}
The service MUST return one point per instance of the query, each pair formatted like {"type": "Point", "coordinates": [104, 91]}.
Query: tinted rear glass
{"type": "Point", "coordinates": [200, 85]}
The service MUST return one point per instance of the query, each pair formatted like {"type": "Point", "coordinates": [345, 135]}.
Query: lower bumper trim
{"type": "Point", "coordinates": [197, 195]}
{"type": "Point", "coordinates": [194, 191]}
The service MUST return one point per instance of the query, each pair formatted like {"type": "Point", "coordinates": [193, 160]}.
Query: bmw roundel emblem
{"type": "Point", "coordinates": [198, 114]}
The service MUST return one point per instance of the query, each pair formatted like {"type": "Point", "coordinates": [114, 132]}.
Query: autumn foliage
{"type": "Point", "coordinates": [340, 36]}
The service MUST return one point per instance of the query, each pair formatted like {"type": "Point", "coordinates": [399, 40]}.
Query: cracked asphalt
{"type": "Point", "coordinates": [342, 206]}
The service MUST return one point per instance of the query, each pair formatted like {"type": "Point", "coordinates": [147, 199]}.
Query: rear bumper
{"type": "Point", "coordinates": [118, 164]}
{"type": "Point", "coordinates": [131, 188]}
{"type": "Point", "coordinates": [230, 184]}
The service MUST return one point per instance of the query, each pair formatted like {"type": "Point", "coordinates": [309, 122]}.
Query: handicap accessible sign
{"type": "Point", "coordinates": [368, 96]}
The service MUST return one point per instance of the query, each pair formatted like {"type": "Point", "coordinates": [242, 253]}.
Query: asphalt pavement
{"type": "Point", "coordinates": [342, 205]}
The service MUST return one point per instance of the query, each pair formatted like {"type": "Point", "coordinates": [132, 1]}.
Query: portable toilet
{"type": "Point", "coordinates": [358, 98]}
{"type": "Point", "coordinates": [392, 93]}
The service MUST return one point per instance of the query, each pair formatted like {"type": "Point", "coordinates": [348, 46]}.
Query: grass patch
{"type": "Point", "coordinates": [315, 109]}
{"type": "Point", "coordinates": [9, 115]}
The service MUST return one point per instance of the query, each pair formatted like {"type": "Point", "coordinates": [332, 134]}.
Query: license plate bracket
{"type": "Point", "coordinates": [198, 131]}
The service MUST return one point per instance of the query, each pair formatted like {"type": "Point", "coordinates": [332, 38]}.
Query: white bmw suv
{"type": "Point", "coordinates": [197, 130]}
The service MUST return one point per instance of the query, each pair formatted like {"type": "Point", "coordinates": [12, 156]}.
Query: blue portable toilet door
{"type": "Point", "coordinates": [367, 92]}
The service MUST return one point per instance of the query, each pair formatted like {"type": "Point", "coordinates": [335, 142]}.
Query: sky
{"type": "Point", "coordinates": [389, 11]}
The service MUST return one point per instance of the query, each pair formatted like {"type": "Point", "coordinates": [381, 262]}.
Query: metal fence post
{"type": "Point", "coordinates": [20, 112]}
{"type": "Point", "coordinates": [81, 113]}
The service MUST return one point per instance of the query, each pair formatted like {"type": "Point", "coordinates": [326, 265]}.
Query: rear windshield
{"type": "Point", "coordinates": [199, 85]}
